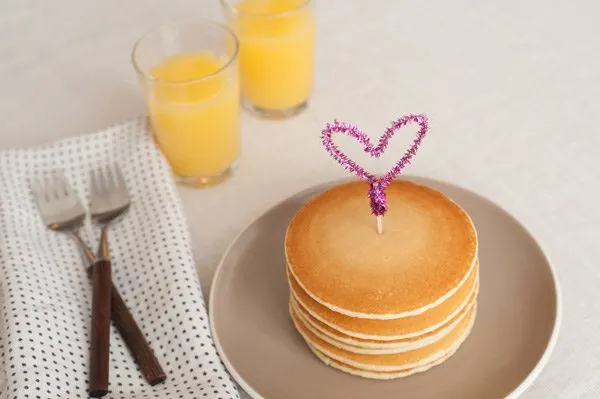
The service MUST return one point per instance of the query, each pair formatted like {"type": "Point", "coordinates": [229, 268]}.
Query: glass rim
{"type": "Point", "coordinates": [226, 4]}
{"type": "Point", "coordinates": [207, 22]}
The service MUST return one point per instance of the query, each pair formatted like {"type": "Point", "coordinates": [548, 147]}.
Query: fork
{"type": "Point", "coordinates": [62, 211]}
{"type": "Point", "coordinates": [110, 199]}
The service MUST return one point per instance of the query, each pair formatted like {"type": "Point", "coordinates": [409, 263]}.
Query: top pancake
{"type": "Point", "coordinates": [427, 249]}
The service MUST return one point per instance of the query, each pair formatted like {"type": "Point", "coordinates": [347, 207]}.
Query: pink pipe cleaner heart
{"type": "Point", "coordinates": [378, 184]}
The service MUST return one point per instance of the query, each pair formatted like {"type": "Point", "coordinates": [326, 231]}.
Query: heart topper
{"type": "Point", "coordinates": [378, 184]}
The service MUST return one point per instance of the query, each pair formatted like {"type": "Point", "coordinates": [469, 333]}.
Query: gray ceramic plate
{"type": "Point", "coordinates": [515, 330]}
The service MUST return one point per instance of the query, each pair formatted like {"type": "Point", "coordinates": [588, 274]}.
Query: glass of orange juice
{"type": "Point", "coordinates": [277, 53]}
{"type": "Point", "coordinates": [189, 74]}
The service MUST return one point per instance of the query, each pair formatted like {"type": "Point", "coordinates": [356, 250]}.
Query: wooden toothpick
{"type": "Point", "coordinates": [379, 224]}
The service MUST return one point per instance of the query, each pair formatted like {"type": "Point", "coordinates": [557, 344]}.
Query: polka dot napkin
{"type": "Point", "coordinates": [45, 294]}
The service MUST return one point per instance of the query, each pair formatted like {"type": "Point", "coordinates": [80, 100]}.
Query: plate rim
{"type": "Point", "coordinates": [515, 393]}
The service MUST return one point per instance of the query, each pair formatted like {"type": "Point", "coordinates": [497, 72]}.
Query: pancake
{"type": "Point", "coordinates": [388, 330]}
{"type": "Point", "coordinates": [390, 362]}
{"type": "Point", "coordinates": [378, 375]}
{"type": "Point", "coordinates": [426, 252]}
{"type": "Point", "coordinates": [351, 344]}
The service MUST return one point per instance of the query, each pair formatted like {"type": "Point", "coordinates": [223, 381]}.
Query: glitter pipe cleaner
{"type": "Point", "coordinates": [378, 184]}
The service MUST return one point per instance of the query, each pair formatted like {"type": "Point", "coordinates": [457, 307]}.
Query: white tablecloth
{"type": "Point", "coordinates": [512, 90]}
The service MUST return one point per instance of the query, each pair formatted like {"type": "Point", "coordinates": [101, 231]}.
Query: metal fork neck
{"type": "Point", "coordinates": [87, 252]}
{"type": "Point", "coordinates": [103, 251]}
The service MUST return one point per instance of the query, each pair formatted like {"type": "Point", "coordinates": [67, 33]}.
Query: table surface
{"type": "Point", "coordinates": [512, 90]}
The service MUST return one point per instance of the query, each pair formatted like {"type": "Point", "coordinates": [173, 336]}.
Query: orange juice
{"type": "Point", "coordinates": [277, 46]}
{"type": "Point", "coordinates": [193, 101]}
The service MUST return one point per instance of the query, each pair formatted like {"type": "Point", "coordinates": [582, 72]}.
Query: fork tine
{"type": "Point", "coordinates": [95, 183]}
{"type": "Point", "coordinates": [51, 187]}
{"type": "Point", "coordinates": [61, 186]}
{"type": "Point", "coordinates": [66, 187]}
{"type": "Point", "coordinates": [109, 177]}
{"type": "Point", "coordinates": [119, 176]}
{"type": "Point", "coordinates": [58, 187]}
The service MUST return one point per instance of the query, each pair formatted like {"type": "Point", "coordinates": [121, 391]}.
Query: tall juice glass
{"type": "Point", "coordinates": [189, 73]}
{"type": "Point", "coordinates": [277, 53]}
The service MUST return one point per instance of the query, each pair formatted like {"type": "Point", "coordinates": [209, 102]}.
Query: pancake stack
{"type": "Point", "coordinates": [385, 305]}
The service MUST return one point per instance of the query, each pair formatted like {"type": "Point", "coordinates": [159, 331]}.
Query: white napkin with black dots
{"type": "Point", "coordinates": [45, 294]}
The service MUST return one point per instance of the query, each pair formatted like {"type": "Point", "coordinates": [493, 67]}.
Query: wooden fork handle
{"type": "Point", "coordinates": [134, 339]}
{"type": "Point", "coordinates": [100, 337]}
